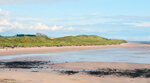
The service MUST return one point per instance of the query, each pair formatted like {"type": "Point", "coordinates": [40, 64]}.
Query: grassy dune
{"type": "Point", "coordinates": [62, 41]}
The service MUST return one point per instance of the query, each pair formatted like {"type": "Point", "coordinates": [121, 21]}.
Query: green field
{"type": "Point", "coordinates": [62, 41]}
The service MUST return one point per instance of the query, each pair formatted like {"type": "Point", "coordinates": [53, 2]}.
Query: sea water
{"type": "Point", "coordinates": [129, 55]}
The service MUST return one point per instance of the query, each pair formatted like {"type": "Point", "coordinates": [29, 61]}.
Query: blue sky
{"type": "Point", "coordinates": [119, 19]}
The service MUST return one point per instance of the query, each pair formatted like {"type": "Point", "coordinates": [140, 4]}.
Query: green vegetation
{"type": "Point", "coordinates": [11, 37]}
{"type": "Point", "coordinates": [9, 79]}
{"type": "Point", "coordinates": [62, 41]}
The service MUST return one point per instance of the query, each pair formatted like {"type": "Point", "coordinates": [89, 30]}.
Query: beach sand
{"type": "Point", "coordinates": [56, 77]}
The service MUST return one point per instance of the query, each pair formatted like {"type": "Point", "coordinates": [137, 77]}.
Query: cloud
{"type": "Point", "coordinates": [40, 26]}
{"type": "Point", "coordinates": [144, 24]}
{"type": "Point", "coordinates": [6, 24]}
{"type": "Point", "coordinates": [70, 28]}
{"type": "Point", "coordinates": [17, 25]}
{"type": "Point", "coordinates": [14, 2]}
{"type": "Point", "coordinates": [3, 13]}
{"type": "Point", "coordinates": [56, 28]}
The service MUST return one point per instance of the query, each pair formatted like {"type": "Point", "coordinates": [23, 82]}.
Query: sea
{"type": "Point", "coordinates": [127, 55]}
{"type": "Point", "coordinates": [144, 42]}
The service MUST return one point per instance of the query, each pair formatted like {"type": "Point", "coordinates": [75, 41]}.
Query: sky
{"type": "Point", "coordinates": [117, 19]}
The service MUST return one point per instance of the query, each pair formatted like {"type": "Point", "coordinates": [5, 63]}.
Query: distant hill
{"type": "Point", "coordinates": [79, 40]}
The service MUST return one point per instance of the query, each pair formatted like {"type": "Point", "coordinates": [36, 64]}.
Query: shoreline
{"type": "Point", "coordinates": [35, 50]}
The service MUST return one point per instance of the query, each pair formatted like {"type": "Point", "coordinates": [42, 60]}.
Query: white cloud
{"type": "Point", "coordinates": [17, 25]}
{"type": "Point", "coordinates": [144, 24]}
{"type": "Point", "coordinates": [56, 28]}
{"type": "Point", "coordinates": [3, 13]}
{"type": "Point", "coordinates": [70, 28]}
{"type": "Point", "coordinates": [6, 24]}
{"type": "Point", "coordinates": [40, 26]}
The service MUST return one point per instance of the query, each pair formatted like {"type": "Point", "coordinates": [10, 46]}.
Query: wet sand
{"type": "Point", "coordinates": [101, 65]}
{"type": "Point", "coordinates": [32, 50]}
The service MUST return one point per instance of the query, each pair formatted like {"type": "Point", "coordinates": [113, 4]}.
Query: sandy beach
{"type": "Point", "coordinates": [33, 50]}
{"type": "Point", "coordinates": [56, 77]}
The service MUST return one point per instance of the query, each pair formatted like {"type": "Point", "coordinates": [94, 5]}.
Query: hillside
{"type": "Point", "coordinates": [62, 41]}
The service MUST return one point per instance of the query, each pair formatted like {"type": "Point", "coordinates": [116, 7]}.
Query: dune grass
{"type": "Point", "coordinates": [62, 41]}
{"type": "Point", "coordinates": [11, 37]}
